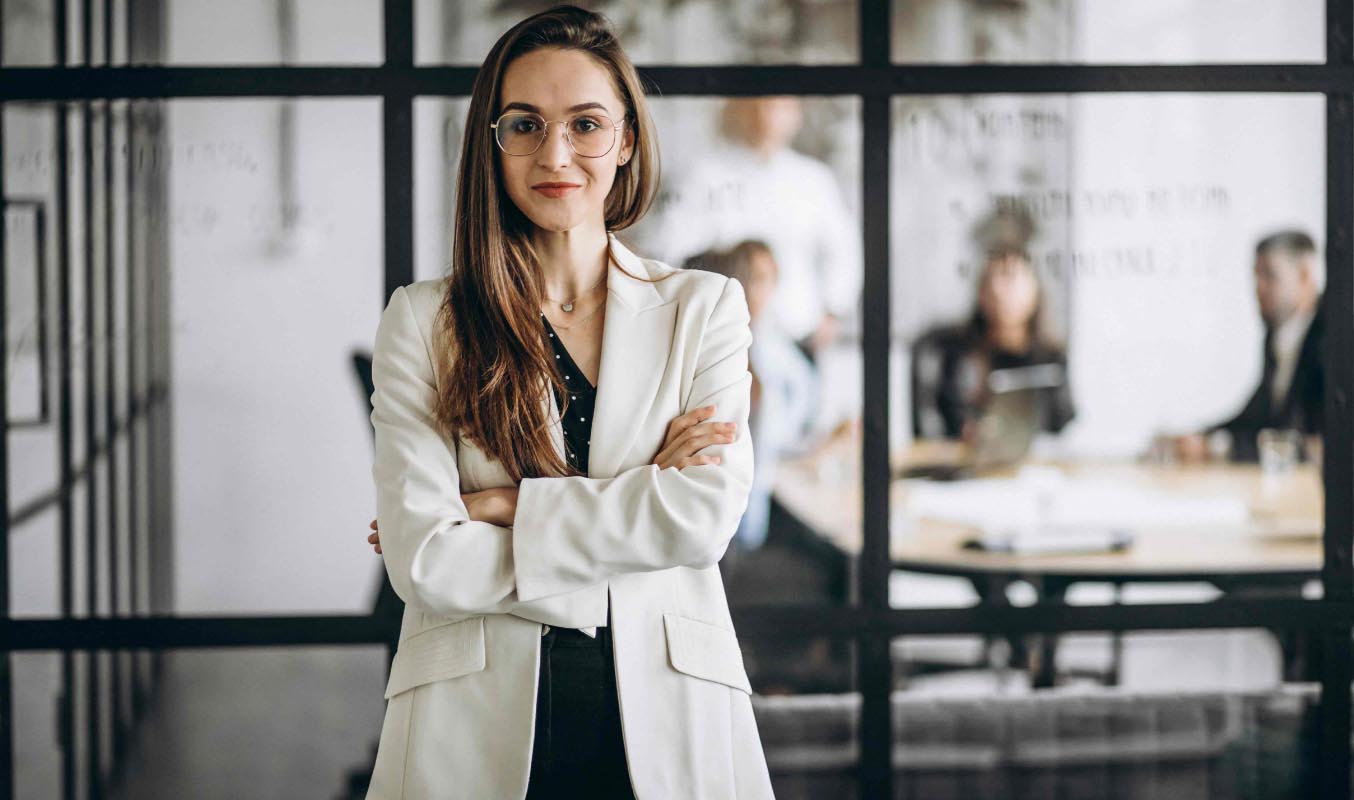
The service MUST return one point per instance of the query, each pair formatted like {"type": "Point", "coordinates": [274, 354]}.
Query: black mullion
{"type": "Point", "coordinates": [1337, 574]}
{"type": "Point", "coordinates": [874, 668]}
{"type": "Point", "coordinates": [397, 149]}
{"type": "Point", "coordinates": [775, 621]}
{"type": "Point", "coordinates": [53, 83]}
{"type": "Point", "coordinates": [398, 30]}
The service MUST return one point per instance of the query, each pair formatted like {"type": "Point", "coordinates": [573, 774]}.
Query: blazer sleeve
{"type": "Point", "coordinates": [573, 531]}
{"type": "Point", "coordinates": [438, 559]}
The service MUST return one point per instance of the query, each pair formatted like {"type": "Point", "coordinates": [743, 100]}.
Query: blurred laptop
{"type": "Point", "coordinates": [1006, 428]}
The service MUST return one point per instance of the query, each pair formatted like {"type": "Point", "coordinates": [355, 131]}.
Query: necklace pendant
{"type": "Point", "coordinates": [567, 306]}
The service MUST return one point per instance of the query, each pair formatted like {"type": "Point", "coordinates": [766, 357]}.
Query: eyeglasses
{"type": "Point", "coordinates": [520, 133]}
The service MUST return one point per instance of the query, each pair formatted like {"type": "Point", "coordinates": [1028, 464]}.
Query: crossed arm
{"type": "Point", "coordinates": [566, 532]}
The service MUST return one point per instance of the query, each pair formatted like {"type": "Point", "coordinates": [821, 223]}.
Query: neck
{"type": "Point", "coordinates": [572, 261]}
{"type": "Point", "coordinates": [1011, 338]}
{"type": "Point", "coordinates": [762, 150]}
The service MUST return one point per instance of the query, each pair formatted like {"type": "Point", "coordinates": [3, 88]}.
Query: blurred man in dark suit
{"type": "Point", "coordinates": [1292, 386]}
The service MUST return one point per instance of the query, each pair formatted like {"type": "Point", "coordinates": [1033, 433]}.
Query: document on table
{"type": "Point", "coordinates": [1044, 511]}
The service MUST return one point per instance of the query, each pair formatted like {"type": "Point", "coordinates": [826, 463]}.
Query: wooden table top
{"type": "Point", "coordinates": [1280, 536]}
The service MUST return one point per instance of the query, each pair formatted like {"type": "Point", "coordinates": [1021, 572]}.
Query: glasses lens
{"type": "Point", "coordinates": [592, 134]}
{"type": "Point", "coordinates": [519, 134]}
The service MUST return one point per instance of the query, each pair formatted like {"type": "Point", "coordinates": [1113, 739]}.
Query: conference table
{"type": "Point", "coordinates": [1240, 529]}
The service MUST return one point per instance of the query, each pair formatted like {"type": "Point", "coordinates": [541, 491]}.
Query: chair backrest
{"type": "Point", "coordinates": [362, 366]}
{"type": "Point", "coordinates": [924, 374]}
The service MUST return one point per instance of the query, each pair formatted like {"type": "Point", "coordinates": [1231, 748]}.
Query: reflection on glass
{"type": "Point", "coordinates": [214, 723]}
{"type": "Point", "coordinates": [1145, 32]}
{"type": "Point", "coordinates": [272, 32]}
{"type": "Point", "coordinates": [666, 32]}
{"type": "Point", "coordinates": [808, 714]}
{"type": "Point", "coordinates": [439, 126]}
{"type": "Point", "coordinates": [1101, 303]}
{"type": "Point", "coordinates": [755, 189]}
{"type": "Point", "coordinates": [274, 229]}
{"type": "Point", "coordinates": [27, 31]}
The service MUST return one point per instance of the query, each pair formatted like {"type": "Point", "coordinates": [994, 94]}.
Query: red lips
{"type": "Point", "coordinates": [555, 190]}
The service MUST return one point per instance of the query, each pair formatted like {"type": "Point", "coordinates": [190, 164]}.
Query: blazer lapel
{"type": "Point", "coordinates": [636, 340]}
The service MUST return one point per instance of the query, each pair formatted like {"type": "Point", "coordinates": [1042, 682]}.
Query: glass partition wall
{"type": "Point", "coordinates": [161, 222]}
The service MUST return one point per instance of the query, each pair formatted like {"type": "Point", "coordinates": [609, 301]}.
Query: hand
{"type": "Point", "coordinates": [496, 506]}
{"type": "Point", "coordinates": [691, 433]}
{"type": "Point", "coordinates": [825, 333]}
{"type": "Point", "coordinates": [1190, 449]}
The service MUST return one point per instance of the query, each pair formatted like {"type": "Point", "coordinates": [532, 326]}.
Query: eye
{"type": "Point", "coordinates": [587, 124]}
{"type": "Point", "coordinates": [522, 125]}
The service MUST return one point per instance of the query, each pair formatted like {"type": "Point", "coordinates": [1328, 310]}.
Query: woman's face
{"type": "Point", "coordinates": [560, 85]}
{"type": "Point", "coordinates": [1010, 292]}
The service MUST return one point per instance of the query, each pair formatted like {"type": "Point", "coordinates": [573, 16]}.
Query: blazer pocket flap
{"type": "Point", "coordinates": [705, 651]}
{"type": "Point", "coordinates": [447, 651]}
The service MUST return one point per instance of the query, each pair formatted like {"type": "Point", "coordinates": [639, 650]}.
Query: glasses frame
{"type": "Point", "coordinates": [545, 126]}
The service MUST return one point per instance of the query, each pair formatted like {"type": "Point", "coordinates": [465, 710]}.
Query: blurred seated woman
{"type": "Point", "coordinates": [784, 381]}
{"type": "Point", "coordinates": [950, 365]}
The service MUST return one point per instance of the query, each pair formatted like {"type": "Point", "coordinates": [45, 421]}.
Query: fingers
{"type": "Point", "coordinates": [372, 525]}
{"type": "Point", "coordinates": [375, 540]}
{"type": "Point", "coordinates": [683, 452]}
{"type": "Point", "coordinates": [690, 418]}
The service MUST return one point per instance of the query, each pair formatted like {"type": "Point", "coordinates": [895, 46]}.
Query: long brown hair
{"type": "Point", "coordinates": [493, 361]}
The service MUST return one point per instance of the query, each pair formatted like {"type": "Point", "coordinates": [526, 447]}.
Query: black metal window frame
{"type": "Point", "coordinates": [871, 623]}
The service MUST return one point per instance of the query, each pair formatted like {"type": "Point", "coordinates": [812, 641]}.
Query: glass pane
{"type": "Point", "coordinates": [1079, 31]}
{"type": "Point", "coordinates": [213, 730]}
{"type": "Point", "coordinates": [274, 240]}
{"type": "Point", "coordinates": [1079, 305]}
{"type": "Point", "coordinates": [695, 32]}
{"type": "Point", "coordinates": [27, 28]}
{"type": "Point", "coordinates": [1174, 714]}
{"type": "Point", "coordinates": [273, 32]}
{"type": "Point", "coordinates": [439, 131]}
{"type": "Point", "coordinates": [808, 714]}
{"type": "Point", "coordinates": [800, 197]}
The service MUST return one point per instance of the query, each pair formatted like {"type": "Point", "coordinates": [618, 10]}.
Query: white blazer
{"type": "Point", "coordinates": [460, 716]}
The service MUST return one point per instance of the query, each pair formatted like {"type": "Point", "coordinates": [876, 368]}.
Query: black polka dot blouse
{"type": "Point", "coordinates": [577, 421]}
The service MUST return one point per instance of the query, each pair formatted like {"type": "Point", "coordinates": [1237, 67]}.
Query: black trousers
{"type": "Point", "coordinates": [579, 751]}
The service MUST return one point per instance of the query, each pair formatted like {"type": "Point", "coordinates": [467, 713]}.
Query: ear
{"type": "Point", "coordinates": [627, 142]}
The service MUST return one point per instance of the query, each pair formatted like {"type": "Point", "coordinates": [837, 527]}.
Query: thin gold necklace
{"type": "Point", "coordinates": [577, 322]}
{"type": "Point", "coordinates": [569, 306]}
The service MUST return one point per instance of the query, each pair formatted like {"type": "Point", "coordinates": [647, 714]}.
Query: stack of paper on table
{"type": "Point", "coordinates": [1045, 511]}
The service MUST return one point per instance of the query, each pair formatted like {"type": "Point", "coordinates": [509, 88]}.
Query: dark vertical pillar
{"type": "Point", "coordinates": [1337, 574]}
{"type": "Point", "coordinates": [397, 126]}
{"type": "Point", "coordinates": [874, 669]}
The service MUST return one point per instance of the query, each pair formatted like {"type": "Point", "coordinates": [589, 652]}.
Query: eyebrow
{"type": "Point", "coordinates": [571, 109]}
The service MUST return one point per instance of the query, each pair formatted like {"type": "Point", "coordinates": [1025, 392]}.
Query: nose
{"type": "Point", "coordinates": [555, 151]}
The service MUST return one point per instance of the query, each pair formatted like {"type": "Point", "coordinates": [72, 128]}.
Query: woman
{"type": "Point", "coordinates": [1006, 330]}
{"type": "Point", "coordinates": [559, 566]}
{"type": "Point", "coordinates": [784, 381]}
